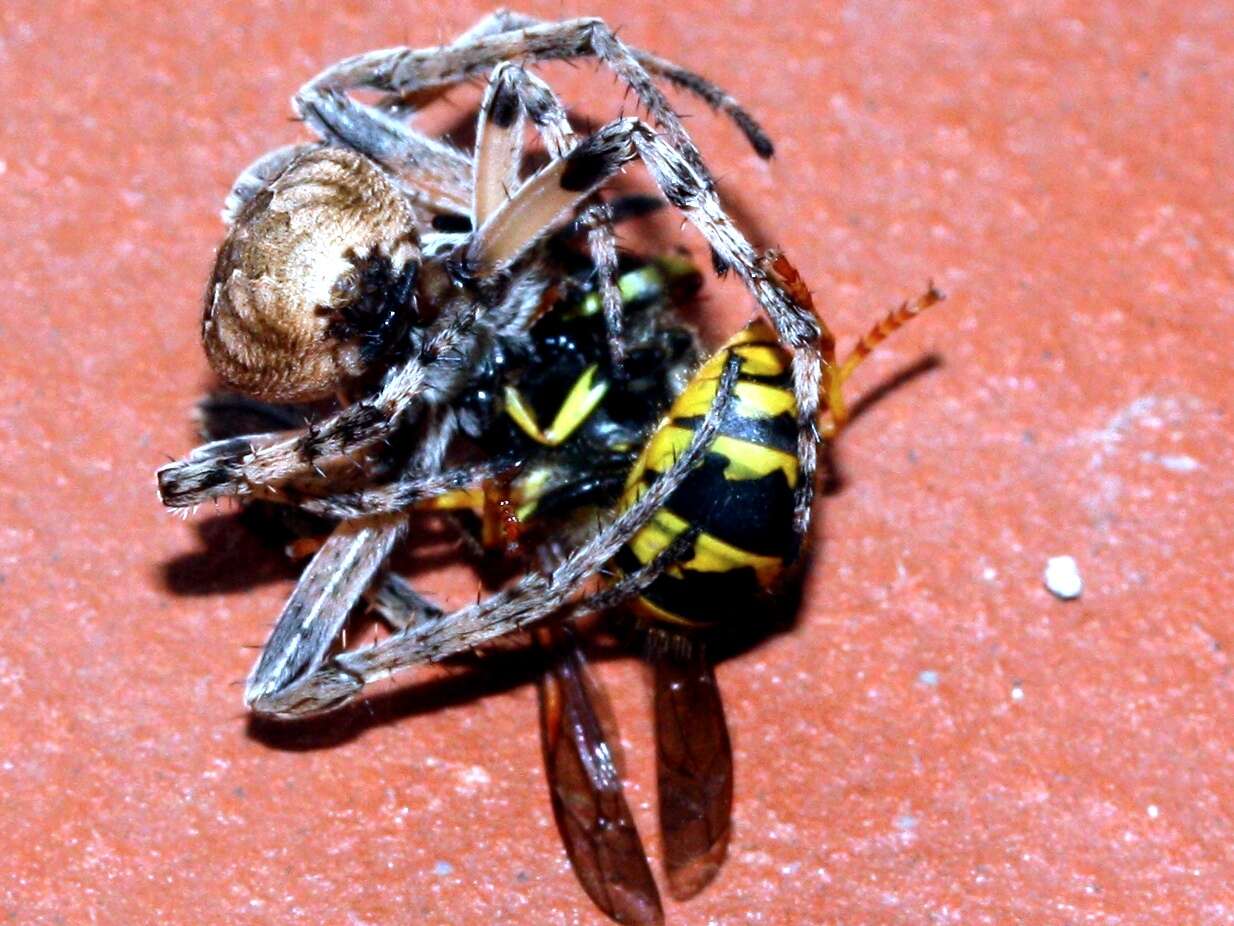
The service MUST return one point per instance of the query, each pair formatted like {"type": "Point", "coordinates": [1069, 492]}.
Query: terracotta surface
{"type": "Point", "coordinates": [938, 740]}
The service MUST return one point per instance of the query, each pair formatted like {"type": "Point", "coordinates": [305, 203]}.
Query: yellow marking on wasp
{"type": "Point", "coordinates": [762, 360]}
{"type": "Point", "coordinates": [696, 398]}
{"type": "Point", "coordinates": [754, 400]}
{"type": "Point", "coordinates": [530, 490]}
{"type": "Point", "coordinates": [711, 554]}
{"type": "Point", "coordinates": [522, 414]}
{"type": "Point", "coordinates": [646, 283]}
{"type": "Point", "coordinates": [634, 486]}
{"type": "Point", "coordinates": [655, 614]}
{"type": "Point", "coordinates": [745, 460]}
{"type": "Point", "coordinates": [584, 396]}
{"type": "Point", "coordinates": [469, 499]}
{"type": "Point", "coordinates": [527, 491]}
{"type": "Point", "coordinates": [757, 330]}
{"type": "Point", "coordinates": [656, 535]}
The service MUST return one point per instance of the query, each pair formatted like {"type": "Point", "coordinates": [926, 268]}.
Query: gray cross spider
{"type": "Point", "coordinates": [386, 266]}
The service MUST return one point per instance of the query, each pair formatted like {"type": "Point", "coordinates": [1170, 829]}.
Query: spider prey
{"type": "Point", "coordinates": [410, 283]}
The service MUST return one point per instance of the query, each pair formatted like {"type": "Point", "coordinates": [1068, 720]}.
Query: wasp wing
{"type": "Point", "coordinates": [694, 770]}
{"type": "Point", "coordinates": [585, 786]}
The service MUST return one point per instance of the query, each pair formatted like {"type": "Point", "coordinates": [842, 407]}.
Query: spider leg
{"type": "Point", "coordinates": [403, 70]}
{"type": "Point", "coordinates": [531, 599]}
{"type": "Point", "coordinates": [402, 494]}
{"type": "Point", "coordinates": [237, 468]}
{"type": "Point", "coordinates": [434, 174]}
{"type": "Point", "coordinates": [400, 605]}
{"type": "Point", "coordinates": [499, 145]}
{"type": "Point", "coordinates": [254, 177]}
{"type": "Point", "coordinates": [714, 96]}
{"type": "Point", "coordinates": [264, 464]}
{"type": "Point", "coordinates": [558, 188]}
{"type": "Point", "coordinates": [406, 71]}
{"type": "Point", "coordinates": [512, 93]}
{"type": "Point", "coordinates": [343, 569]}
{"type": "Point", "coordinates": [315, 613]}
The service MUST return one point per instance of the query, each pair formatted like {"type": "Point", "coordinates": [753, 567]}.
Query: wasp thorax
{"type": "Point", "coordinates": [316, 281]}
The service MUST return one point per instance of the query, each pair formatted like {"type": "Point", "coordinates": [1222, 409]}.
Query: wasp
{"type": "Point", "coordinates": [721, 546]}
{"type": "Point", "coordinates": [416, 305]}
{"type": "Point", "coordinates": [570, 437]}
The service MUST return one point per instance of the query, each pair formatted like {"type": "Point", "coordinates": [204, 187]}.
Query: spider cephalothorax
{"type": "Point", "coordinates": [483, 365]}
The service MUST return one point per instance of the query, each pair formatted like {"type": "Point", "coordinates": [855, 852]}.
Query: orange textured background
{"type": "Point", "coordinates": [938, 740]}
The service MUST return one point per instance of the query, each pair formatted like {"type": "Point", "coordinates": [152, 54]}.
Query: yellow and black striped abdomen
{"type": "Point", "coordinates": [740, 497]}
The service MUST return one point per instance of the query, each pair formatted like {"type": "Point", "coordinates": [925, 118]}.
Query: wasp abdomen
{"type": "Point", "coordinates": [739, 499]}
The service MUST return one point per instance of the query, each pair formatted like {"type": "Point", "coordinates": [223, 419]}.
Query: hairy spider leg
{"type": "Point", "coordinates": [322, 685]}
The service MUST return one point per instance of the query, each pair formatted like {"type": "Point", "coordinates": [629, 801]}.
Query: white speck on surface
{"type": "Point", "coordinates": [1153, 812]}
{"type": "Point", "coordinates": [989, 573]}
{"type": "Point", "coordinates": [906, 823]}
{"type": "Point", "coordinates": [929, 678]}
{"type": "Point", "coordinates": [1017, 693]}
{"type": "Point", "coordinates": [1062, 577]}
{"type": "Point", "coordinates": [1179, 463]}
{"type": "Point", "coordinates": [1174, 462]}
{"type": "Point", "coordinates": [443, 869]}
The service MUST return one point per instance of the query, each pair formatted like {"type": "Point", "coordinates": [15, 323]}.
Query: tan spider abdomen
{"type": "Point", "coordinates": [315, 278]}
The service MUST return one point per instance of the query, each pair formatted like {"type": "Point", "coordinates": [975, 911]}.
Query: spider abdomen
{"type": "Point", "coordinates": [315, 280]}
{"type": "Point", "coordinates": [739, 499]}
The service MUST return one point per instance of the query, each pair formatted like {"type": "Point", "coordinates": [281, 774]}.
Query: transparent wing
{"type": "Point", "coordinates": [694, 769]}
{"type": "Point", "coordinates": [585, 786]}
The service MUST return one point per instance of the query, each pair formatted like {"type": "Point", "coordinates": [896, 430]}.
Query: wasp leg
{"type": "Point", "coordinates": [584, 782]}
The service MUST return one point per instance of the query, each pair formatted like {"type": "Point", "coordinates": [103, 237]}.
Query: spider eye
{"type": "Point", "coordinates": [315, 279]}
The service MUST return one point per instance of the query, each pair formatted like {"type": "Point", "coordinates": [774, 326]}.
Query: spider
{"type": "Point", "coordinates": [384, 266]}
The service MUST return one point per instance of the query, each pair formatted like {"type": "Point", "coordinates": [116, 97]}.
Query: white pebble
{"type": "Point", "coordinates": [1062, 577]}
{"type": "Point", "coordinates": [1179, 463]}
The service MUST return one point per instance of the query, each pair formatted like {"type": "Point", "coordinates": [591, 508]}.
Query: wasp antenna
{"type": "Point", "coordinates": [887, 325]}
